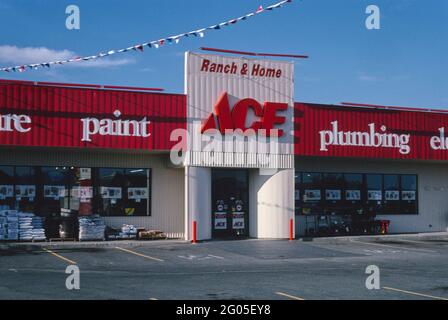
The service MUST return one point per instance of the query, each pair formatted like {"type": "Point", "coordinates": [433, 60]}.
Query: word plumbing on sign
{"type": "Point", "coordinates": [370, 138]}
{"type": "Point", "coordinates": [255, 70]}
{"type": "Point", "coordinates": [15, 122]}
{"type": "Point", "coordinates": [229, 121]}
{"type": "Point", "coordinates": [114, 127]}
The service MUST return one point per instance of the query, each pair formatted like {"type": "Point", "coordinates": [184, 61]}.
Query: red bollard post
{"type": "Point", "coordinates": [194, 231]}
{"type": "Point", "coordinates": [291, 229]}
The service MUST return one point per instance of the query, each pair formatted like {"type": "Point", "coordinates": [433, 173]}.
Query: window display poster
{"type": "Point", "coordinates": [111, 193]}
{"type": "Point", "coordinates": [374, 195]}
{"type": "Point", "coordinates": [220, 221]}
{"type": "Point", "coordinates": [239, 205]}
{"type": "Point", "coordinates": [6, 191]}
{"type": "Point", "coordinates": [137, 193]}
{"type": "Point", "coordinates": [85, 173]}
{"type": "Point", "coordinates": [84, 193]}
{"type": "Point", "coordinates": [408, 195]}
{"type": "Point", "coordinates": [221, 205]}
{"type": "Point", "coordinates": [332, 194]}
{"type": "Point", "coordinates": [25, 191]}
{"type": "Point", "coordinates": [238, 220]}
{"type": "Point", "coordinates": [392, 195]}
{"type": "Point", "coordinates": [311, 195]}
{"type": "Point", "coordinates": [54, 192]}
{"type": "Point", "coordinates": [353, 195]}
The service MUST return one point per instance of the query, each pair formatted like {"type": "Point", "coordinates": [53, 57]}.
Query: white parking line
{"type": "Point", "coordinates": [415, 293]}
{"type": "Point", "coordinates": [289, 296]}
{"type": "Point", "coordinates": [395, 247]}
{"type": "Point", "coordinates": [139, 254]}
{"type": "Point", "coordinates": [59, 256]}
{"type": "Point", "coordinates": [213, 256]}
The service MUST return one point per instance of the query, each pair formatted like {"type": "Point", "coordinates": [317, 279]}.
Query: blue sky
{"type": "Point", "coordinates": [405, 63]}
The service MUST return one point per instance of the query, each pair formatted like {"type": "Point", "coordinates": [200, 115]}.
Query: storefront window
{"type": "Point", "coordinates": [137, 184]}
{"type": "Point", "coordinates": [56, 183]}
{"type": "Point", "coordinates": [311, 192]}
{"type": "Point", "coordinates": [333, 184]}
{"type": "Point", "coordinates": [124, 192]}
{"type": "Point", "coordinates": [391, 193]}
{"type": "Point", "coordinates": [6, 188]}
{"type": "Point", "coordinates": [81, 199]}
{"type": "Point", "coordinates": [409, 194]}
{"type": "Point", "coordinates": [297, 192]}
{"type": "Point", "coordinates": [25, 188]}
{"type": "Point", "coordinates": [355, 193]}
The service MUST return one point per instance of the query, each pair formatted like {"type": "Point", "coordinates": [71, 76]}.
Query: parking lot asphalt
{"type": "Point", "coordinates": [410, 268]}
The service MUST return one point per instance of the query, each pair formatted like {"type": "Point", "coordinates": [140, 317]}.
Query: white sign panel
{"type": "Point", "coordinates": [240, 111]}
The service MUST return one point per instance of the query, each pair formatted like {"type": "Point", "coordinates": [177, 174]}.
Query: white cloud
{"type": "Point", "coordinates": [367, 78]}
{"type": "Point", "coordinates": [17, 56]}
{"type": "Point", "coordinates": [102, 63]}
{"type": "Point", "coordinates": [13, 55]}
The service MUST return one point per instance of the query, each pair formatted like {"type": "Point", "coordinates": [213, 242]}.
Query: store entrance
{"type": "Point", "coordinates": [230, 199]}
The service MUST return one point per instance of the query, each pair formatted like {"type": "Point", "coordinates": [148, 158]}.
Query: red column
{"type": "Point", "coordinates": [194, 231]}
{"type": "Point", "coordinates": [291, 229]}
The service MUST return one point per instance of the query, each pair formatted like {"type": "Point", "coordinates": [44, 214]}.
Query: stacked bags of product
{"type": "Point", "coordinates": [25, 226]}
{"type": "Point", "coordinates": [128, 232]}
{"type": "Point", "coordinates": [31, 227]}
{"type": "Point", "coordinates": [9, 225]}
{"type": "Point", "coordinates": [91, 228]}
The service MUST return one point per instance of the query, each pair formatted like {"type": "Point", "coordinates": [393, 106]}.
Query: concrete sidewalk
{"type": "Point", "coordinates": [137, 243]}
{"type": "Point", "coordinates": [405, 236]}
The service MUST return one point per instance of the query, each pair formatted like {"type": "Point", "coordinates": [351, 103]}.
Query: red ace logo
{"type": "Point", "coordinates": [235, 119]}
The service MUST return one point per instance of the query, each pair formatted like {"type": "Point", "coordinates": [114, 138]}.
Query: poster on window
{"type": "Point", "coordinates": [392, 195]}
{"type": "Point", "coordinates": [239, 205]}
{"type": "Point", "coordinates": [85, 173]}
{"type": "Point", "coordinates": [374, 195]}
{"type": "Point", "coordinates": [54, 192]}
{"type": "Point", "coordinates": [26, 192]}
{"type": "Point", "coordinates": [221, 205]}
{"type": "Point", "coordinates": [220, 221]}
{"type": "Point", "coordinates": [84, 193]}
{"type": "Point", "coordinates": [110, 193]}
{"type": "Point", "coordinates": [353, 195]}
{"type": "Point", "coordinates": [311, 195]}
{"type": "Point", "coordinates": [6, 191]}
{"type": "Point", "coordinates": [137, 193]}
{"type": "Point", "coordinates": [238, 220]}
{"type": "Point", "coordinates": [333, 194]}
{"type": "Point", "coordinates": [408, 195]}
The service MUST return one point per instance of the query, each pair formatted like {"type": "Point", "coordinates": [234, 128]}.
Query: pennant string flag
{"type": "Point", "coordinates": [151, 44]}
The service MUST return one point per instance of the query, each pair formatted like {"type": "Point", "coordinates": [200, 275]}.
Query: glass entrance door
{"type": "Point", "coordinates": [230, 199]}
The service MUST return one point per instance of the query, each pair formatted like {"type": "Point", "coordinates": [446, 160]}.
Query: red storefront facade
{"type": "Point", "coordinates": [83, 117]}
{"type": "Point", "coordinates": [59, 125]}
{"type": "Point", "coordinates": [370, 132]}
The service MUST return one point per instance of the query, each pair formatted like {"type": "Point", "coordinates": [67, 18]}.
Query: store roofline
{"type": "Point", "coordinates": [343, 105]}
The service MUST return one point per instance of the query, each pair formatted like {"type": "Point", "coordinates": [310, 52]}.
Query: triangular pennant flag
{"type": "Point", "coordinates": [139, 47]}
{"type": "Point", "coordinates": [162, 42]}
{"type": "Point", "coordinates": [217, 27]}
{"type": "Point", "coordinates": [260, 8]}
{"type": "Point", "coordinates": [201, 34]}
